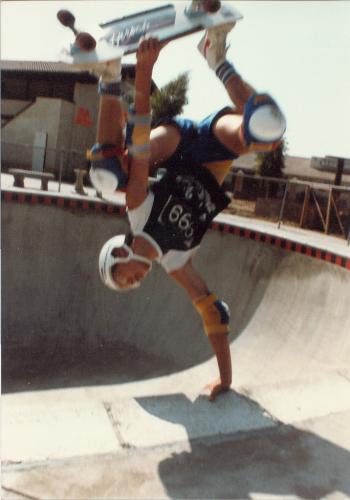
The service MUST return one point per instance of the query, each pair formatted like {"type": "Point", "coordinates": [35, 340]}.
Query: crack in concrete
{"type": "Point", "coordinates": [16, 492]}
{"type": "Point", "coordinates": [116, 427]}
{"type": "Point", "coordinates": [344, 375]}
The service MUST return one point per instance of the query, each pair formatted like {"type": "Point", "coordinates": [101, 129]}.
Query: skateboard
{"type": "Point", "coordinates": [168, 22]}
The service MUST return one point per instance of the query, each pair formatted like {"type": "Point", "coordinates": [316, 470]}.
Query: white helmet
{"type": "Point", "coordinates": [107, 260]}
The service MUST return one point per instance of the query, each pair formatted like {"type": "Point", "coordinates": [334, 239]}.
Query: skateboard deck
{"type": "Point", "coordinates": [168, 22]}
{"type": "Point", "coordinates": [103, 52]}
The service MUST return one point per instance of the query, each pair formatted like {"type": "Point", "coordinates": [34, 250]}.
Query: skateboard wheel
{"type": "Point", "coordinates": [85, 42]}
{"type": "Point", "coordinates": [66, 18]}
{"type": "Point", "coordinates": [212, 5]}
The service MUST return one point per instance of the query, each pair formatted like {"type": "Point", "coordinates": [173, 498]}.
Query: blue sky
{"type": "Point", "coordinates": [298, 51]}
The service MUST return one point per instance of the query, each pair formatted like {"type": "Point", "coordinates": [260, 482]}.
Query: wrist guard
{"type": "Point", "coordinates": [225, 71]}
{"type": "Point", "coordinates": [109, 88]}
{"type": "Point", "coordinates": [140, 126]}
{"type": "Point", "coordinates": [215, 314]}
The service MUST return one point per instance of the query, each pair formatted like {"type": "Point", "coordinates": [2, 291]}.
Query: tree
{"type": "Point", "coordinates": [271, 164]}
{"type": "Point", "coordinates": [169, 100]}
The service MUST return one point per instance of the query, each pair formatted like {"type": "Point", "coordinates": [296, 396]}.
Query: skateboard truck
{"type": "Point", "coordinates": [199, 7]}
{"type": "Point", "coordinates": [85, 52]}
{"type": "Point", "coordinates": [83, 41]}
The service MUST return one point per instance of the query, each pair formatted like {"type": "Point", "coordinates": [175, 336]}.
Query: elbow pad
{"type": "Point", "coordinates": [215, 314]}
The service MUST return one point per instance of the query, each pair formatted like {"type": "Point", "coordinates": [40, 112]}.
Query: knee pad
{"type": "Point", "coordinates": [263, 123]}
{"type": "Point", "coordinates": [215, 314]}
{"type": "Point", "coordinates": [106, 173]}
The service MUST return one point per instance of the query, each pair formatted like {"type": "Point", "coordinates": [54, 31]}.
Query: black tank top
{"type": "Point", "coordinates": [185, 203]}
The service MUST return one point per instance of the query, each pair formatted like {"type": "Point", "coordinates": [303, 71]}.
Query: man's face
{"type": "Point", "coordinates": [129, 273]}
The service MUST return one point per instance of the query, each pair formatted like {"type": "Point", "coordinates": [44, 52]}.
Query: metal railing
{"type": "Point", "coordinates": [61, 162]}
{"type": "Point", "coordinates": [312, 205]}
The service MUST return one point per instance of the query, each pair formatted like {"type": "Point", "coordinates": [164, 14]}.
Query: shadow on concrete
{"type": "Point", "coordinates": [278, 460]}
{"type": "Point", "coordinates": [78, 366]}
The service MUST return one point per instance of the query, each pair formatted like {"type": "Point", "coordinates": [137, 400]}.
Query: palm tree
{"type": "Point", "coordinates": [272, 164]}
{"type": "Point", "coordinates": [170, 99]}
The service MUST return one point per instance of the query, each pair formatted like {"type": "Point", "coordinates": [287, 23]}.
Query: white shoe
{"type": "Point", "coordinates": [213, 45]}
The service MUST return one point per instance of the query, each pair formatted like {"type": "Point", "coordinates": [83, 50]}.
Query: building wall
{"type": "Point", "coordinates": [85, 98]}
{"type": "Point", "coordinates": [17, 136]}
{"type": "Point", "coordinates": [11, 107]}
{"type": "Point", "coordinates": [68, 136]}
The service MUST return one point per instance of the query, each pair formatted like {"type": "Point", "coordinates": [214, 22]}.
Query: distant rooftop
{"type": "Point", "coordinates": [38, 66]}
{"type": "Point", "coordinates": [52, 68]}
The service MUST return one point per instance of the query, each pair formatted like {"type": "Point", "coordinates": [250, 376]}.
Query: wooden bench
{"type": "Point", "coordinates": [20, 174]}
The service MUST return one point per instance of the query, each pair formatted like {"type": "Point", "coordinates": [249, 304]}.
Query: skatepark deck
{"type": "Point", "coordinates": [101, 391]}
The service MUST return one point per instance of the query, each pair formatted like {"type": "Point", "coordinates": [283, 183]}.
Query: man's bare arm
{"type": "Point", "coordinates": [137, 187]}
{"type": "Point", "coordinates": [214, 49]}
{"type": "Point", "coordinates": [239, 91]}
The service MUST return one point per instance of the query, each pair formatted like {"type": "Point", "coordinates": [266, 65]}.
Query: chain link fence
{"type": "Point", "coordinates": [310, 205]}
{"type": "Point", "coordinates": [60, 162]}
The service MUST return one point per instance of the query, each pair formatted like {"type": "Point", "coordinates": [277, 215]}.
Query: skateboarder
{"type": "Point", "coordinates": [169, 219]}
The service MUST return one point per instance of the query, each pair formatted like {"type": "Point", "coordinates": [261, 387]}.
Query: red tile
{"type": "Point", "coordinates": [338, 260]}
{"type": "Point", "coordinates": [8, 196]}
{"type": "Point", "coordinates": [328, 257]}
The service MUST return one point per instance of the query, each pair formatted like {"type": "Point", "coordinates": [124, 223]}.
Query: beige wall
{"type": "Point", "coordinates": [56, 117]}
{"type": "Point", "coordinates": [18, 135]}
{"type": "Point", "coordinates": [85, 96]}
{"type": "Point", "coordinates": [81, 137]}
